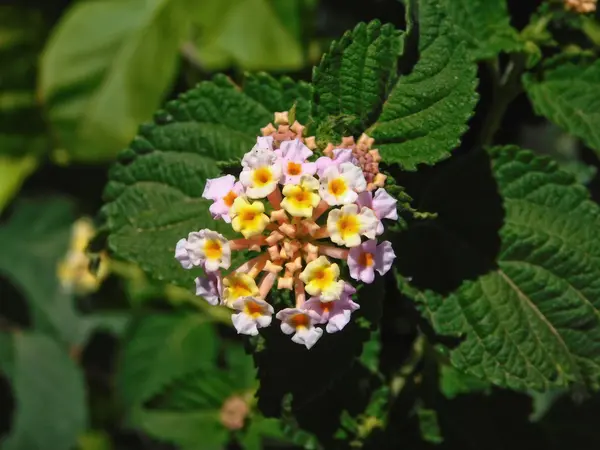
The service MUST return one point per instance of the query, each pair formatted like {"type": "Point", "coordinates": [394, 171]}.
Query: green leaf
{"type": "Point", "coordinates": [532, 321]}
{"type": "Point", "coordinates": [22, 129]}
{"type": "Point", "coordinates": [13, 172]}
{"type": "Point", "coordinates": [427, 111]}
{"type": "Point", "coordinates": [160, 349]}
{"type": "Point", "coordinates": [33, 241]}
{"type": "Point", "coordinates": [454, 383]}
{"type": "Point", "coordinates": [246, 33]}
{"type": "Point", "coordinates": [98, 89]}
{"type": "Point", "coordinates": [355, 77]}
{"type": "Point", "coordinates": [280, 95]}
{"type": "Point", "coordinates": [485, 26]}
{"type": "Point", "coordinates": [154, 191]}
{"type": "Point", "coordinates": [568, 95]}
{"type": "Point", "coordinates": [188, 430]}
{"type": "Point", "coordinates": [49, 391]}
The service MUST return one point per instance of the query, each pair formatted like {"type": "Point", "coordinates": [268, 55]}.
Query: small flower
{"type": "Point", "coordinates": [223, 191]}
{"type": "Point", "coordinates": [293, 161]}
{"type": "Point", "coordinates": [335, 314]}
{"type": "Point", "coordinates": [248, 219]}
{"type": "Point", "coordinates": [339, 186]}
{"type": "Point", "coordinates": [300, 199]}
{"type": "Point", "coordinates": [340, 155]}
{"type": "Point", "coordinates": [382, 203]}
{"type": "Point", "coordinates": [364, 259]}
{"type": "Point", "coordinates": [321, 278]}
{"type": "Point", "coordinates": [347, 224]}
{"type": "Point", "coordinates": [301, 323]}
{"type": "Point", "coordinates": [262, 154]}
{"type": "Point", "coordinates": [205, 247]}
{"type": "Point", "coordinates": [265, 142]}
{"type": "Point", "coordinates": [238, 285]}
{"type": "Point", "coordinates": [253, 314]}
{"type": "Point", "coordinates": [210, 287]}
{"type": "Point", "coordinates": [261, 172]}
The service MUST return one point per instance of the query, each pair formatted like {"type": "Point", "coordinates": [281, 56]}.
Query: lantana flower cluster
{"type": "Point", "coordinates": [302, 215]}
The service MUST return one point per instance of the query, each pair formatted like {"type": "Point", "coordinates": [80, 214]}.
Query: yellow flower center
{"type": "Point", "coordinates": [262, 176]}
{"type": "Point", "coordinates": [300, 321]}
{"type": "Point", "coordinates": [322, 278]}
{"type": "Point", "coordinates": [337, 187]}
{"type": "Point", "coordinates": [366, 259]}
{"type": "Point", "coordinates": [248, 218]}
{"type": "Point", "coordinates": [230, 198]}
{"type": "Point", "coordinates": [348, 225]}
{"type": "Point", "coordinates": [238, 285]}
{"type": "Point", "coordinates": [294, 168]}
{"type": "Point", "coordinates": [213, 249]}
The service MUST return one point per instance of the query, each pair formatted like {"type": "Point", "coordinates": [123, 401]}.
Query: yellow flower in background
{"type": "Point", "coordinates": [73, 270]}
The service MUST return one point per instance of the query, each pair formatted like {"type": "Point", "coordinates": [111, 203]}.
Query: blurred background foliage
{"type": "Point", "coordinates": [116, 361]}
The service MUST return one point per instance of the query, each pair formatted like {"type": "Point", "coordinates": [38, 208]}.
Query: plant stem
{"type": "Point", "coordinates": [506, 88]}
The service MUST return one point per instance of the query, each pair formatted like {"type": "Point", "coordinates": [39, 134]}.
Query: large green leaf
{"type": "Point", "coordinates": [22, 129]}
{"type": "Point", "coordinates": [161, 348]}
{"type": "Point", "coordinates": [532, 321]}
{"type": "Point", "coordinates": [13, 172]}
{"type": "Point", "coordinates": [427, 110]}
{"type": "Point", "coordinates": [568, 95]}
{"type": "Point", "coordinates": [485, 26]}
{"type": "Point", "coordinates": [98, 89]}
{"type": "Point", "coordinates": [49, 391]}
{"type": "Point", "coordinates": [247, 34]}
{"type": "Point", "coordinates": [33, 241]}
{"type": "Point", "coordinates": [154, 191]}
{"type": "Point", "coordinates": [355, 76]}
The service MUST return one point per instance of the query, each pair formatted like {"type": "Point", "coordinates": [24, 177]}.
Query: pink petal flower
{"type": "Point", "coordinates": [340, 156]}
{"type": "Point", "coordinates": [384, 257]}
{"type": "Point", "coordinates": [210, 288]}
{"type": "Point", "coordinates": [361, 261]}
{"type": "Point", "coordinates": [337, 313]}
{"type": "Point", "coordinates": [265, 142]}
{"type": "Point", "coordinates": [217, 188]}
{"type": "Point", "coordinates": [294, 151]}
{"type": "Point", "coordinates": [182, 255]}
{"type": "Point", "coordinates": [384, 205]}
{"type": "Point", "coordinates": [293, 156]}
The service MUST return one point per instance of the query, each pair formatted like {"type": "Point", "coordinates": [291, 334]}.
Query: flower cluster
{"type": "Point", "coordinates": [300, 214]}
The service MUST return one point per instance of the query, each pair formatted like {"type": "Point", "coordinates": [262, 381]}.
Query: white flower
{"type": "Point", "coordinates": [340, 186]}
{"type": "Point", "coordinates": [261, 173]}
{"type": "Point", "coordinates": [347, 224]}
{"type": "Point", "coordinates": [301, 323]}
{"type": "Point", "coordinates": [254, 313]}
{"type": "Point", "coordinates": [204, 247]}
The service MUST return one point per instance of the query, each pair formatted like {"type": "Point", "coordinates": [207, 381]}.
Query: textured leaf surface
{"type": "Point", "coordinates": [355, 76]}
{"type": "Point", "coordinates": [49, 393]}
{"type": "Point", "coordinates": [154, 190]}
{"type": "Point", "coordinates": [280, 95]}
{"type": "Point", "coordinates": [33, 241]}
{"type": "Point", "coordinates": [160, 349]}
{"type": "Point", "coordinates": [533, 321]}
{"type": "Point", "coordinates": [485, 26]}
{"type": "Point", "coordinates": [569, 96]}
{"type": "Point", "coordinates": [427, 110]}
{"type": "Point", "coordinates": [98, 89]}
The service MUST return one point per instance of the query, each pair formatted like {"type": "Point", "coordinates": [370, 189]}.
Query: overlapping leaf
{"type": "Point", "coordinates": [98, 89]}
{"type": "Point", "coordinates": [534, 320]}
{"type": "Point", "coordinates": [568, 95]}
{"type": "Point", "coordinates": [154, 192]}
{"type": "Point", "coordinates": [355, 76]}
{"type": "Point", "coordinates": [485, 26]}
{"type": "Point", "coordinates": [427, 110]}
{"type": "Point", "coordinates": [49, 392]}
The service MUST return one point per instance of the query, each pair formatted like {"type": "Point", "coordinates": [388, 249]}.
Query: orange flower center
{"type": "Point", "coordinates": [230, 198]}
{"type": "Point", "coordinates": [294, 168]}
{"type": "Point", "coordinates": [366, 259]}
{"type": "Point", "coordinates": [300, 321]}
{"type": "Point", "coordinates": [254, 309]}
{"type": "Point", "coordinates": [213, 250]}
